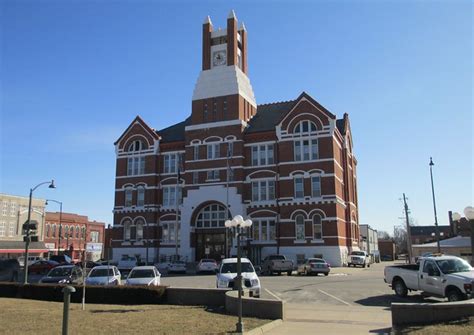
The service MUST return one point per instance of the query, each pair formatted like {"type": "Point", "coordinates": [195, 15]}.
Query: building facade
{"type": "Point", "coordinates": [370, 241]}
{"type": "Point", "coordinates": [14, 213]}
{"type": "Point", "coordinates": [288, 166]}
{"type": "Point", "coordinates": [70, 233]}
{"type": "Point", "coordinates": [426, 234]}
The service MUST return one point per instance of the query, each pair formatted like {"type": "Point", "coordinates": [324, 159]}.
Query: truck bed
{"type": "Point", "coordinates": [413, 267]}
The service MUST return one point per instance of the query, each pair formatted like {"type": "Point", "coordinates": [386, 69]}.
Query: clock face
{"type": "Point", "coordinates": [219, 58]}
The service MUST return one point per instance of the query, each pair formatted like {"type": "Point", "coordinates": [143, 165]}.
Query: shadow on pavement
{"type": "Point", "coordinates": [381, 331]}
{"type": "Point", "coordinates": [386, 300]}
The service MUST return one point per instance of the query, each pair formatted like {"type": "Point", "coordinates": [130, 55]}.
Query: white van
{"type": "Point", "coordinates": [31, 260]}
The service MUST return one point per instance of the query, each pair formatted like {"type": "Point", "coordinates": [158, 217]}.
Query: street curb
{"type": "Point", "coordinates": [265, 328]}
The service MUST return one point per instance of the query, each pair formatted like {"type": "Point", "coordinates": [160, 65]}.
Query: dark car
{"type": "Point", "coordinates": [61, 259]}
{"type": "Point", "coordinates": [63, 274]}
{"type": "Point", "coordinates": [42, 267]}
{"type": "Point", "coordinates": [9, 269]}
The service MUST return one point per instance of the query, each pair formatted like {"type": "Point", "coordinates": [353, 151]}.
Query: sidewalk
{"type": "Point", "coordinates": [332, 319]}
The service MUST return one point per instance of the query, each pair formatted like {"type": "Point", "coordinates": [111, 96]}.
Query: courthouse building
{"type": "Point", "coordinates": [288, 166]}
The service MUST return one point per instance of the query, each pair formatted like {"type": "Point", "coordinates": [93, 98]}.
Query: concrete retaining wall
{"type": "Point", "coordinates": [196, 296]}
{"type": "Point", "coordinates": [411, 314]}
{"type": "Point", "coordinates": [255, 307]}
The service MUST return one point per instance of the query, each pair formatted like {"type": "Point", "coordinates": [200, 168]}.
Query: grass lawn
{"type": "Point", "coordinates": [22, 316]}
{"type": "Point", "coordinates": [461, 327]}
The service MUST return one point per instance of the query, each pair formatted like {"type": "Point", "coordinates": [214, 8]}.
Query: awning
{"type": "Point", "coordinates": [16, 247]}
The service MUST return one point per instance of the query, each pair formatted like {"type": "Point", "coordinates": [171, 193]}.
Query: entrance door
{"type": "Point", "coordinates": [210, 245]}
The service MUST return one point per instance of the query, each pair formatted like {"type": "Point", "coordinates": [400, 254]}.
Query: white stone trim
{"type": "Point", "coordinates": [216, 124]}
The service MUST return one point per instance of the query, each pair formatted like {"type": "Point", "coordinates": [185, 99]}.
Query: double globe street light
{"type": "Point", "coordinates": [469, 214]}
{"type": "Point", "coordinates": [237, 224]}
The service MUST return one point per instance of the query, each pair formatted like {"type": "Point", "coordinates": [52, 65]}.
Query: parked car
{"type": "Point", "coordinates": [278, 264]}
{"type": "Point", "coordinates": [42, 267]}
{"type": "Point", "coordinates": [360, 258]}
{"type": "Point", "coordinates": [314, 266]}
{"type": "Point", "coordinates": [31, 260]}
{"type": "Point", "coordinates": [61, 259]}
{"type": "Point", "coordinates": [440, 276]}
{"type": "Point", "coordinates": [228, 272]}
{"type": "Point", "coordinates": [177, 267]}
{"type": "Point", "coordinates": [9, 269]}
{"type": "Point", "coordinates": [104, 275]}
{"type": "Point", "coordinates": [207, 265]}
{"type": "Point", "coordinates": [144, 275]}
{"type": "Point", "coordinates": [63, 274]}
{"type": "Point", "coordinates": [127, 262]}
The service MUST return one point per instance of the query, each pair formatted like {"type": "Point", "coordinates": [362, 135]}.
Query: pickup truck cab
{"type": "Point", "coordinates": [360, 258]}
{"type": "Point", "coordinates": [127, 263]}
{"type": "Point", "coordinates": [438, 275]}
{"type": "Point", "coordinates": [278, 264]}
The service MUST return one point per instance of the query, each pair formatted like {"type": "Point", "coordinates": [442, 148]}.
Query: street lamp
{"type": "Point", "coordinates": [60, 218]}
{"type": "Point", "coordinates": [469, 214]}
{"type": "Point", "coordinates": [236, 224]}
{"type": "Point", "coordinates": [434, 205]}
{"type": "Point", "coordinates": [28, 226]}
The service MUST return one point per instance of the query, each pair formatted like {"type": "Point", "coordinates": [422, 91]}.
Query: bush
{"type": "Point", "coordinates": [119, 295]}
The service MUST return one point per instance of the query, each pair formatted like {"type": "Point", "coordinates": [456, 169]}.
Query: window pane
{"type": "Point", "coordinates": [166, 196]}
{"type": "Point", "coordinates": [130, 167]}
{"type": "Point", "coordinates": [313, 127]}
{"type": "Point", "coordinates": [305, 126]}
{"type": "Point", "coordinates": [298, 128]}
{"type": "Point", "coordinates": [272, 230]}
{"type": "Point", "coordinates": [142, 165]}
{"type": "Point", "coordinates": [196, 152]}
{"type": "Point", "coordinates": [166, 164]}
{"type": "Point", "coordinates": [262, 154]}
{"type": "Point", "coordinates": [316, 186]}
{"type": "Point", "coordinates": [299, 191]}
{"type": "Point", "coordinates": [263, 190]}
{"type": "Point", "coordinates": [255, 155]}
{"type": "Point", "coordinates": [300, 235]}
{"type": "Point", "coordinates": [254, 191]}
{"type": "Point", "coordinates": [256, 228]}
{"type": "Point", "coordinates": [297, 150]}
{"type": "Point", "coordinates": [271, 190]}
{"type": "Point", "coordinates": [314, 149]}
{"type": "Point", "coordinates": [195, 177]}
{"type": "Point", "coordinates": [128, 197]}
{"type": "Point", "coordinates": [216, 150]}
{"type": "Point", "coordinates": [264, 236]}
{"type": "Point", "coordinates": [306, 150]}
{"type": "Point", "coordinates": [140, 196]}
{"type": "Point", "coordinates": [270, 154]}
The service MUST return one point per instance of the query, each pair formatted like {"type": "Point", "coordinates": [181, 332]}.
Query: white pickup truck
{"type": "Point", "coordinates": [440, 276]}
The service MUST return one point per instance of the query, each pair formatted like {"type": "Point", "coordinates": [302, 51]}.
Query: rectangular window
{"type": "Point", "coordinates": [195, 177]}
{"type": "Point", "coordinates": [2, 228]}
{"type": "Point", "coordinates": [256, 232]}
{"type": "Point", "coordinates": [11, 229]}
{"type": "Point", "coordinates": [170, 162]}
{"type": "Point", "coordinates": [316, 186]}
{"type": "Point", "coordinates": [213, 151]}
{"type": "Point", "coordinates": [231, 174]}
{"type": "Point", "coordinates": [305, 150]}
{"type": "Point", "coordinates": [141, 197]}
{"type": "Point", "coordinates": [272, 230]}
{"type": "Point", "coordinates": [196, 152]}
{"type": "Point", "coordinates": [299, 187]}
{"type": "Point", "coordinates": [262, 154]}
{"type": "Point", "coordinates": [263, 235]}
{"type": "Point", "coordinates": [168, 233]}
{"type": "Point", "coordinates": [230, 149]}
{"type": "Point", "coordinates": [263, 190]}
{"type": "Point", "coordinates": [128, 198]}
{"type": "Point", "coordinates": [213, 175]}
{"type": "Point", "coordinates": [169, 196]}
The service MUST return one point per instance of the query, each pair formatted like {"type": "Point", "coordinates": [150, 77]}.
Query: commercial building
{"type": "Point", "coordinates": [370, 241]}
{"type": "Point", "coordinates": [425, 234]}
{"type": "Point", "coordinates": [14, 213]}
{"type": "Point", "coordinates": [457, 246]}
{"type": "Point", "coordinates": [288, 166]}
{"type": "Point", "coordinates": [387, 250]}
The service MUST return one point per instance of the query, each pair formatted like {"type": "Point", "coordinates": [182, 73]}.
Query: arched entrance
{"type": "Point", "coordinates": [210, 233]}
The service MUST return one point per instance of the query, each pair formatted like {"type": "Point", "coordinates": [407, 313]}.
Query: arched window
{"type": "Point", "coordinates": [305, 126]}
{"type": "Point", "coordinates": [83, 233]}
{"type": "Point", "coordinates": [54, 230]}
{"type": "Point", "coordinates": [140, 196]}
{"type": "Point", "coordinates": [128, 197]}
{"type": "Point", "coordinates": [48, 230]}
{"type": "Point", "coordinates": [135, 146]}
{"type": "Point", "coordinates": [299, 222]}
{"type": "Point", "coordinates": [317, 227]}
{"type": "Point", "coordinates": [139, 229]}
{"type": "Point", "coordinates": [211, 216]}
{"type": "Point", "coordinates": [77, 231]}
{"type": "Point", "coordinates": [127, 230]}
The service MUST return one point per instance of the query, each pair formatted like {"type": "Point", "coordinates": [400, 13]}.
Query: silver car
{"type": "Point", "coordinates": [144, 275]}
{"type": "Point", "coordinates": [104, 275]}
{"type": "Point", "coordinates": [314, 266]}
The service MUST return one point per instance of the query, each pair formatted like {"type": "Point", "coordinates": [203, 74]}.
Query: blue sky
{"type": "Point", "coordinates": [75, 74]}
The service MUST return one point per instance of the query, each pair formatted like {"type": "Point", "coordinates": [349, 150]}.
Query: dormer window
{"type": "Point", "coordinates": [305, 126]}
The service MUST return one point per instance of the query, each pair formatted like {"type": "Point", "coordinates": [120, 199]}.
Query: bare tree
{"type": "Point", "coordinates": [383, 235]}
{"type": "Point", "coordinates": [400, 238]}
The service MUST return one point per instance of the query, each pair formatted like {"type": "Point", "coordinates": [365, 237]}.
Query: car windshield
{"type": "Point", "coordinates": [357, 253]}
{"type": "Point", "coordinates": [232, 268]}
{"type": "Point", "coordinates": [453, 265]}
{"type": "Point", "coordinates": [101, 272]}
{"type": "Point", "coordinates": [277, 257]}
{"type": "Point", "coordinates": [207, 261]}
{"type": "Point", "coordinates": [142, 274]}
{"type": "Point", "coordinates": [60, 272]}
{"type": "Point", "coordinates": [315, 260]}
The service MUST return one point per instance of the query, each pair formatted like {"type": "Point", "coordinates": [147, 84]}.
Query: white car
{"type": "Point", "coordinates": [177, 267]}
{"type": "Point", "coordinates": [144, 275]}
{"type": "Point", "coordinates": [207, 265]}
{"type": "Point", "coordinates": [228, 272]}
{"type": "Point", "coordinates": [104, 275]}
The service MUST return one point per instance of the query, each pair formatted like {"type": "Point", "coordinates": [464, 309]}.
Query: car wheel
{"type": "Point", "coordinates": [363, 265]}
{"type": "Point", "coordinates": [326, 274]}
{"type": "Point", "coordinates": [289, 273]}
{"type": "Point", "coordinates": [454, 295]}
{"type": "Point", "coordinates": [400, 288]}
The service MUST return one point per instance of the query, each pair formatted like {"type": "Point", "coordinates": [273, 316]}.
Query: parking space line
{"type": "Point", "coordinates": [330, 295]}
{"type": "Point", "coordinates": [273, 294]}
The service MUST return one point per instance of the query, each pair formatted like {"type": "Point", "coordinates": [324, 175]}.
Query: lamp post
{"type": "Point", "coordinates": [237, 223]}
{"type": "Point", "coordinates": [469, 214]}
{"type": "Point", "coordinates": [27, 235]}
{"type": "Point", "coordinates": [434, 205]}
{"type": "Point", "coordinates": [60, 218]}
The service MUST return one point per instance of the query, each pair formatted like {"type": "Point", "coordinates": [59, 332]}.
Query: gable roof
{"type": "Point", "coordinates": [144, 125]}
{"type": "Point", "coordinates": [268, 116]}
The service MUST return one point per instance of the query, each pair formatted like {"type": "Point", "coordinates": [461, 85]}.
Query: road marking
{"type": "Point", "coordinates": [272, 294]}
{"type": "Point", "coordinates": [330, 295]}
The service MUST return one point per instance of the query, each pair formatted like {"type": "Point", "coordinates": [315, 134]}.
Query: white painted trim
{"type": "Point", "coordinates": [259, 143]}
{"type": "Point", "coordinates": [216, 124]}
{"type": "Point", "coordinates": [211, 159]}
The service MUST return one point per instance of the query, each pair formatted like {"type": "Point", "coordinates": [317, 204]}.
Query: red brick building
{"type": "Point", "coordinates": [289, 166]}
{"type": "Point", "coordinates": [71, 232]}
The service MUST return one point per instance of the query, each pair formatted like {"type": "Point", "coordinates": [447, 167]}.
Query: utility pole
{"type": "Point", "coordinates": [408, 229]}
{"type": "Point", "coordinates": [434, 206]}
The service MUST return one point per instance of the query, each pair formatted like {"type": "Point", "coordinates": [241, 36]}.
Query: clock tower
{"type": "Point", "coordinates": [223, 92]}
